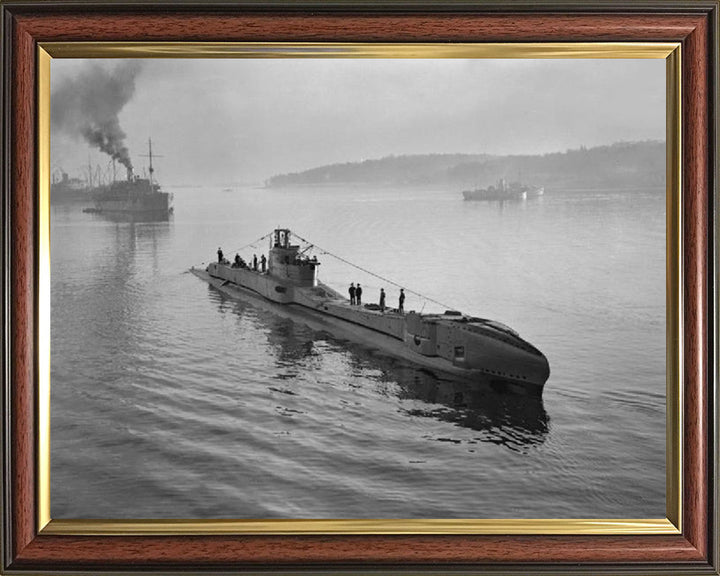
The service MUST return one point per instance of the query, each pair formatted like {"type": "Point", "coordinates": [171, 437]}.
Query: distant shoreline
{"type": "Point", "coordinates": [623, 164]}
{"type": "Point", "coordinates": [445, 189]}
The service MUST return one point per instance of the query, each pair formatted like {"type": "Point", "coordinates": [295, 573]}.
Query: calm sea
{"type": "Point", "coordinates": [171, 401]}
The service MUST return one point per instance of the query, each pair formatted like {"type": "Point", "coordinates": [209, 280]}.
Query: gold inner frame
{"type": "Point", "coordinates": [671, 52]}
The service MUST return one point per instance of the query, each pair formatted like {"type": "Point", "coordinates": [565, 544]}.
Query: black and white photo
{"type": "Point", "coordinates": [358, 288]}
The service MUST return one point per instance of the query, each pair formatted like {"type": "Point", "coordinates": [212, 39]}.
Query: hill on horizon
{"type": "Point", "coordinates": [623, 164]}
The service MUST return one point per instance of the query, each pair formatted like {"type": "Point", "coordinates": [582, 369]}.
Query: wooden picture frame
{"type": "Point", "coordinates": [30, 545]}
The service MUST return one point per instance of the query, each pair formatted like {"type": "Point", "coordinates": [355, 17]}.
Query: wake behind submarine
{"type": "Point", "coordinates": [449, 344]}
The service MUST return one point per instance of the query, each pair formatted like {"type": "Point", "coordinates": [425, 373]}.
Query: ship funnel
{"type": "Point", "coordinates": [129, 174]}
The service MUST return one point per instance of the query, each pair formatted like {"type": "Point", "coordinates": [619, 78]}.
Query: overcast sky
{"type": "Point", "coordinates": [224, 121]}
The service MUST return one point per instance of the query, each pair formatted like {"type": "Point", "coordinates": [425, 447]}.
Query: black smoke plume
{"type": "Point", "coordinates": [88, 106]}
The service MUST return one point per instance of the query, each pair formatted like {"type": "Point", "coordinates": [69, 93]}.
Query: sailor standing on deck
{"type": "Point", "coordinates": [358, 295]}
{"type": "Point", "coordinates": [220, 255]}
{"type": "Point", "coordinates": [263, 261]}
{"type": "Point", "coordinates": [351, 291]}
{"type": "Point", "coordinates": [382, 300]}
{"type": "Point", "coordinates": [255, 262]}
{"type": "Point", "coordinates": [402, 301]}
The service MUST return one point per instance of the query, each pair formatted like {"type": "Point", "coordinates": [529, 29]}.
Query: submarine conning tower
{"type": "Point", "coordinates": [286, 262]}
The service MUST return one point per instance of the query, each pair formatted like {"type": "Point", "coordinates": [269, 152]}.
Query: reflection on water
{"type": "Point", "coordinates": [510, 420]}
{"type": "Point", "coordinates": [500, 204]}
{"type": "Point", "coordinates": [136, 217]}
{"type": "Point", "coordinates": [292, 342]}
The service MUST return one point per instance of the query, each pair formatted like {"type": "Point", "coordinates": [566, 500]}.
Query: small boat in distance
{"type": "Point", "coordinates": [449, 344]}
{"type": "Point", "coordinates": [503, 191]}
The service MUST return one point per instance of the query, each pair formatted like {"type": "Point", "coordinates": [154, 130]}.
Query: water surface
{"type": "Point", "coordinates": [171, 401]}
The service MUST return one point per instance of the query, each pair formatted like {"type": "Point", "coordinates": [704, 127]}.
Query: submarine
{"type": "Point", "coordinates": [448, 344]}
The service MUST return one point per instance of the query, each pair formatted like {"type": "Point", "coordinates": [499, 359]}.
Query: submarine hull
{"type": "Point", "coordinates": [489, 357]}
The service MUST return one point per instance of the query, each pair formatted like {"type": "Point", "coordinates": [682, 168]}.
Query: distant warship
{"type": "Point", "coordinates": [503, 191]}
{"type": "Point", "coordinates": [134, 196]}
{"type": "Point", "coordinates": [452, 344]}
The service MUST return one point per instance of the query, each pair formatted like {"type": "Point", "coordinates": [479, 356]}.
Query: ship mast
{"type": "Point", "coordinates": [150, 156]}
{"type": "Point", "coordinates": [151, 170]}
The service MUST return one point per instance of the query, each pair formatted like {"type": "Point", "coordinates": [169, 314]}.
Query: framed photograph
{"type": "Point", "coordinates": [349, 287]}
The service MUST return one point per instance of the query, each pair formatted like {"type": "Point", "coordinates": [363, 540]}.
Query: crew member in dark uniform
{"type": "Point", "coordinates": [263, 261]}
{"type": "Point", "coordinates": [220, 255]}
{"type": "Point", "coordinates": [237, 261]}
{"type": "Point", "coordinates": [351, 291]}
{"type": "Point", "coordinates": [358, 295]}
{"type": "Point", "coordinates": [255, 262]}
{"type": "Point", "coordinates": [382, 299]}
{"type": "Point", "coordinates": [402, 301]}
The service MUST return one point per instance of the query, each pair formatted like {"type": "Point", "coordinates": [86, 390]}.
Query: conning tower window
{"type": "Point", "coordinates": [459, 352]}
